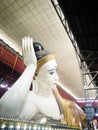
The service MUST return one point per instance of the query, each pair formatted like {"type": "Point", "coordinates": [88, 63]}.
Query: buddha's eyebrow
{"type": "Point", "coordinates": [53, 69]}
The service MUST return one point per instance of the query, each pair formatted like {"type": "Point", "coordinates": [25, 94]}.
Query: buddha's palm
{"type": "Point", "coordinates": [28, 51]}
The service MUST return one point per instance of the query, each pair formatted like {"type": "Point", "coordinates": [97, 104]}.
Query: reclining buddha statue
{"type": "Point", "coordinates": [44, 99]}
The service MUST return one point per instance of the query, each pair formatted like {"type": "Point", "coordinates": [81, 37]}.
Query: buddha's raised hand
{"type": "Point", "coordinates": [28, 51]}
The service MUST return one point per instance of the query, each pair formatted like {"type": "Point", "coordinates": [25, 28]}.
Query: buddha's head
{"type": "Point", "coordinates": [46, 63]}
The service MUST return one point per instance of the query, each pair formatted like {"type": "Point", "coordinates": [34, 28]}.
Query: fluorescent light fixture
{"type": "Point", "coordinates": [25, 127]}
{"type": "Point", "coordinates": [3, 85]}
{"type": "Point", "coordinates": [30, 127]}
{"type": "Point", "coordinates": [3, 126]}
{"type": "Point", "coordinates": [18, 127]}
{"type": "Point", "coordinates": [96, 114]}
{"type": "Point", "coordinates": [11, 126]}
{"type": "Point", "coordinates": [35, 127]}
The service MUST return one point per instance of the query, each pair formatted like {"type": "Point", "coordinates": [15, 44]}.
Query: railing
{"type": "Point", "coordinates": [15, 124]}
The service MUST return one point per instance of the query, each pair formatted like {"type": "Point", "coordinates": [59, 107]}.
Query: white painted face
{"type": "Point", "coordinates": [48, 71]}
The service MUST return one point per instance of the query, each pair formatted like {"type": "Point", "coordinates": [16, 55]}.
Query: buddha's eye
{"type": "Point", "coordinates": [52, 72]}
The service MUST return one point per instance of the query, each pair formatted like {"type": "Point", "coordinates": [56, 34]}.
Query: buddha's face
{"type": "Point", "coordinates": [48, 72]}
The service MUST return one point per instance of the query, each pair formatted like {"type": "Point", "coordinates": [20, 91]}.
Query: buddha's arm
{"type": "Point", "coordinates": [12, 101]}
